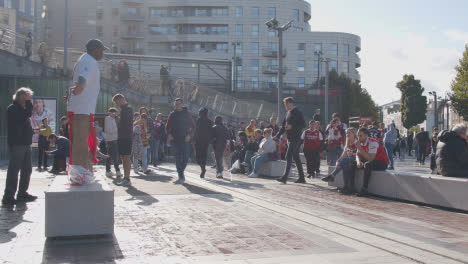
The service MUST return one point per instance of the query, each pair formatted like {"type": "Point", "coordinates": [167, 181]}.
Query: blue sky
{"type": "Point", "coordinates": [425, 38]}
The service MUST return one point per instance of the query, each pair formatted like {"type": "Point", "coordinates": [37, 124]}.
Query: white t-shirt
{"type": "Point", "coordinates": [85, 103]}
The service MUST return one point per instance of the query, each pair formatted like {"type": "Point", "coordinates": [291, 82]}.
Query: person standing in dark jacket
{"type": "Point", "coordinates": [220, 136]}
{"type": "Point", "coordinates": [452, 152]}
{"type": "Point", "coordinates": [19, 140]}
{"type": "Point", "coordinates": [434, 140]}
{"type": "Point", "coordinates": [293, 124]}
{"type": "Point", "coordinates": [317, 116]}
{"type": "Point", "coordinates": [124, 135]}
{"type": "Point", "coordinates": [203, 136]}
{"type": "Point", "coordinates": [179, 129]}
{"type": "Point", "coordinates": [423, 141]}
{"type": "Point", "coordinates": [409, 140]}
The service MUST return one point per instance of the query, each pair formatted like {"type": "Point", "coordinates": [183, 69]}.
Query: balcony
{"type": "Point", "coordinates": [268, 86]}
{"type": "Point", "coordinates": [268, 52]}
{"type": "Point", "coordinates": [132, 17]}
{"type": "Point", "coordinates": [127, 35]}
{"type": "Point", "coordinates": [272, 69]}
{"type": "Point", "coordinates": [133, 1]}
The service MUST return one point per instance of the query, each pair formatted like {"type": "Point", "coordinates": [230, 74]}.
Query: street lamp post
{"type": "Point", "coordinates": [274, 25]}
{"type": "Point", "coordinates": [234, 67]}
{"type": "Point", "coordinates": [436, 116]}
{"type": "Point", "coordinates": [65, 37]}
{"type": "Point", "coordinates": [319, 54]}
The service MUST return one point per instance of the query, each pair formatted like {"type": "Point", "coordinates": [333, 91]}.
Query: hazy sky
{"type": "Point", "coordinates": [423, 37]}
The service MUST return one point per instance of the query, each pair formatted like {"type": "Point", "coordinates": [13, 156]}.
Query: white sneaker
{"type": "Point", "coordinates": [109, 174]}
{"type": "Point", "coordinates": [119, 174]}
{"type": "Point", "coordinates": [253, 175]}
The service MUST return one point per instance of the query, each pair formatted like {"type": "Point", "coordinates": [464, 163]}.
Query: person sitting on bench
{"type": "Point", "coordinates": [61, 152]}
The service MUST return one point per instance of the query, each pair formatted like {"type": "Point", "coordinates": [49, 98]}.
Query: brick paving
{"type": "Point", "coordinates": [243, 221]}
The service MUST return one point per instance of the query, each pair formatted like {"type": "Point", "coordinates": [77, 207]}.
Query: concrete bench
{"type": "Point", "coordinates": [79, 210]}
{"type": "Point", "coordinates": [273, 169]}
{"type": "Point", "coordinates": [426, 189]}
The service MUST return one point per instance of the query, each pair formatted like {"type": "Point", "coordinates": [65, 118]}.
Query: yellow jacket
{"type": "Point", "coordinates": [250, 130]}
{"type": "Point", "coordinates": [45, 131]}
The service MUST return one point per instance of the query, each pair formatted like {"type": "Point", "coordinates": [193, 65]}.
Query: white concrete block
{"type": "Point", "coordinates": [79, 210]}
{"type": "Point", "coordinates": [273, 169]}
{"type": "Point", "coordinates": [426, 189]}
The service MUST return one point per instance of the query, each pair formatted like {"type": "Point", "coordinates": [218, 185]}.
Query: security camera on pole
{"type": "Point", "coordinates": [273, 24]}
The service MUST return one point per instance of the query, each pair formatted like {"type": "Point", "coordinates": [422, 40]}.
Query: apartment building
{"type": "Point", "coordinates": [212, 29]}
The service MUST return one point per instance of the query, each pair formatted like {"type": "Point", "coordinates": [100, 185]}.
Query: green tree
{"type": "Point", "coordinates": [413, 103]}
{"type": "Point", "coordinates": [459, 94]}
{"type": "Point", "coordinates": [357, 102]}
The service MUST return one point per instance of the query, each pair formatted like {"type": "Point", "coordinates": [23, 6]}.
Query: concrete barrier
{"type": "Point", "coordinates": [79, 210]}
{"type": "Point", "coordinates": [273, 169]}
{"type": "Point", "coordinates": [425, 189]}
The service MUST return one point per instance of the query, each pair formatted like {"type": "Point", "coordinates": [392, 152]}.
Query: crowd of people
{"type": "Point", "coordinates": [137, 139]}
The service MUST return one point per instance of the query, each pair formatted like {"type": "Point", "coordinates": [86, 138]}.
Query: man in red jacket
{"type": "Point", "coordinates": [312, 141]}
{"type": "Point", "coordinates": [370, 156]}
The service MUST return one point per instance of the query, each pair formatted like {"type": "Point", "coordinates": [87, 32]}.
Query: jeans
{"type": "Point", "coordinates": [334, 155]}
{"type": "Point", "coordinates": [20, 160]}
{"type": "Point", "coordinates": [402, 152]}
{"type": "Point", "coordinates": [389, 150]}
{"type": "Point", "coordinates": [219, 161]}
{"type": "Point", "coordinates": [248, 156]}
{"type": "Point", "coordinates": [345, 165]}
{"type": "Point", "coordinates": [293, 153]}
{"type": "Point", "coordinates": [201, 152]}
{"type": "Point", "coordinates": [43, 147]}
{"type": "Point", "coordinates": [144, 159]}
{"type": "Point", "coordinates": [155, 146]}
{"type": "Point", "coordinates": [313, 160]}
{"type": "Point", "coordinates": [258, 161]}
{"type": "Point", "coordinates": [182, 154]}
{"type": "Point", "coordinates": [113, 152]}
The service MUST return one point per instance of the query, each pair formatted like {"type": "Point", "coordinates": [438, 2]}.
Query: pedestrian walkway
{"type": "Point", "coordinates": [240, 221]}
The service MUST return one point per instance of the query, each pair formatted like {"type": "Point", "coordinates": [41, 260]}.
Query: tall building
{"type": "Point", "coordinates": [17, 19]}
{"type": "Point", "coordinates": [212, 29]}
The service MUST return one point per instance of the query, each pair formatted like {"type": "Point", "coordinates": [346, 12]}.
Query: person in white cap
{"type": "Point", "coordinates": [81, 107]}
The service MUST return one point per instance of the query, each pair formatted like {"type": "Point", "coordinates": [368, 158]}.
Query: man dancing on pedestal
{"type": "Point", "coordinates": [81, 106]}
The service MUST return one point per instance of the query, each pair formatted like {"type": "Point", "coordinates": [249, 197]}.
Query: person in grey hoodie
{"type": "Point", "coordinates": [265, 152]}
{"type": "Point", "coordinates": [389, 142]}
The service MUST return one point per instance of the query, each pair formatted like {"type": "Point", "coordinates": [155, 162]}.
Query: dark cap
{"type": "Point", "coordinates": [95, 44]}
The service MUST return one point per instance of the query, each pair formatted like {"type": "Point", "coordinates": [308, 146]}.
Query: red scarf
{"type": "Point", "coordinates": [92, 140]}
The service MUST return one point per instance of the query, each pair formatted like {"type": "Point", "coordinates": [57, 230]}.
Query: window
{"type": "Point", "coordinates": [7, 3]}
{"type": "Point", "coordinates": [239, 11]}
{"type": "Point", "coordinates": [271, 33]}
{"type": "Point", "coordinates": [295, 14]}
{"type": "Point", "coordinates": [301, 83]}
{"type": "Point", "coordinates": [334, 49]}
{"type": "Point", "coordinates": [21, 5]}
{"type": "Point", "coordinates": [219, 12]}
{"type": "Point", "coordinates": [301, 48]}
{"type": "Point", "coordinates": [99, 4]}
{"type": "Point", "coordinates": [255, 12]}
{"type": "Point", "coordinates": [272, 46]}
{"type": "Point", "coordinates": [317, 47]}
{"type": "Point", "coordinates": [254, 65]}
{"type": "Point", "coordinates": [300, 65]}
{"type": "Point", "coordinates": [272, 80]}
{"type": "Point", "coordinates": [254, 82]}
{"type": "Point", "coordinates": [272, 62]}
{"type": "Point", "coordinates": [116, 30]}
{"type": "Point", "coordinates": [254, 30]}
{"type": "Point", "coordinates": [346, 50]}
{"type": "Point", "coordinates": [254, 48]}
{"type": "Point", "coordinates": [99, 31]}
{"type": "Point", "coordinates": [132, 11]}
{"type": "Point", "coordinates": [238, 48]}
{"type": "Point", "coordinates": [201, 12]}
{"type": "Point", "coordinates": [345, 67]}
{"type": "Point", "coordinates": [99, 14]}
{"type": "Point", "coordinates": [239, 82]}
{"type": "Point", "coordinates": [239, 30]}
{"type": "Point", "coordinates": [332, 65]}
{"type": "Point", "coordinates": [316, 66]}
{"type": "Point", "coordinates": [272, 12]}
{"type": "Point", "coordinates": [115, 12]}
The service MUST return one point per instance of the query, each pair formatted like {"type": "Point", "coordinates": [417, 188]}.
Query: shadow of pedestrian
{"type": "Point", "coordinates": [145, 198]}
{"type": "Point", "coordinates": [207, 192]}
{"type": "Point", "coordinates": [156, 178]}
{"type": "Point", "coordinates": [82, 249]}
{"type": "Point", "coordinates": [10, 217]}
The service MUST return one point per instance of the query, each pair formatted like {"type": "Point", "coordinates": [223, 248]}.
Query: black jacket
{"type": "Point", "coordinates": [221, 135]}
{"type": "Point", "coordinates": [296, 120]}
{"type": "Point", "coordinates": [19, 124]}
{"type": "Point", "coordinates": [422, 138]}
{"type": "Point", "coordinates": [125, 126]}
{"type": "Point", "coordinates": [180, 124]}
{"type": "Point", "coordinates": [62, 147]}
{"type": "Point", "coordinates": [203, 131]}
{"type": "Point", "coordinates": [452, 155]}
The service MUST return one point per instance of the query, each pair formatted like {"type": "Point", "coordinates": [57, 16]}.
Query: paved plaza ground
{"type": "Point", "coordinates": [240, 221]}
